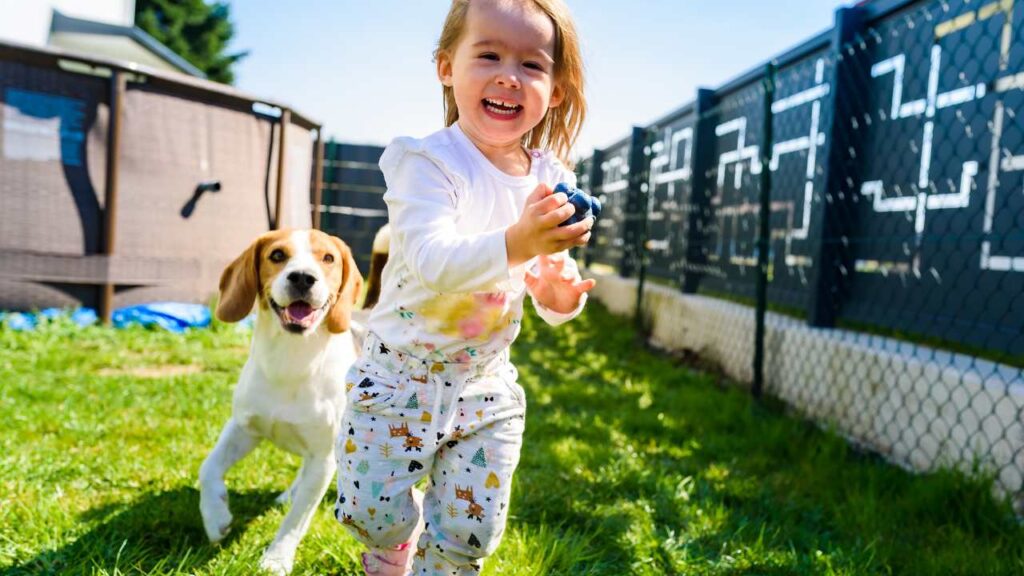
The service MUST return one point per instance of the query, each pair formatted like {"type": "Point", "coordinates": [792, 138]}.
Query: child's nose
{"type": "Point", "coordinates": [508, 79]}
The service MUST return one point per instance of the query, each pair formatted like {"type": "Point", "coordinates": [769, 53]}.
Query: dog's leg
{"type": "Point", "coordinates": [234, 443]}
{"type": "Point", "coordinates": [286, 496]}
{"type": "Point", "coordinates": [310, 487]}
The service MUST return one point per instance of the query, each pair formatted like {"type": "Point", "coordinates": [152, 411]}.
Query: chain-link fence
{"type": "Point", "coordinates": [893, 256]}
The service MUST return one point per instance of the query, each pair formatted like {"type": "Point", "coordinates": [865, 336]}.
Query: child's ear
{"type": "Point", "coordinates": [557, 96]}
{"type": "Point", "coordinates": [444, 68]}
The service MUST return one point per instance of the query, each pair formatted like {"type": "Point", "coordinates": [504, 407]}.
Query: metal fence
{"type": "Point", "coordinates": [889, 216]}
{"type": "Point", "coordinates": [353, 197]}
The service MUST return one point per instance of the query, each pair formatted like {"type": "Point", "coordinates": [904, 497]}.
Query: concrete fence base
{"type": "Point", "coordinates": [921, 408]}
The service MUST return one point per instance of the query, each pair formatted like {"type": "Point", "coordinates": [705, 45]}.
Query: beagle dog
{"type": "Point", "coordinates": [291, 391]}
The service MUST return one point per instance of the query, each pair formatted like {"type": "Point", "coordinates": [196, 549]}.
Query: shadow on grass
{"type": "Point", "coordinates": [675, 474]}
{"type": "Point", "coordinates": [158, 532]}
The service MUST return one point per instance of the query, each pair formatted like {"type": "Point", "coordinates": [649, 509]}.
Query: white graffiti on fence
{"type": "Point", "coordinates": [743, 153]}
{"type": "Point", "coordinates": [670, 164]}
{"type": "Point", "coordinates": [923, 197]}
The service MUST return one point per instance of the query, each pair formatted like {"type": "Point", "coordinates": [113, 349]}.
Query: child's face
{"type": "Point", "coordinates": [502, 71]}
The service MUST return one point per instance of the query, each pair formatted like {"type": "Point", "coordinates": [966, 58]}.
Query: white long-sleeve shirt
{"type": "Point", "coordinates": [448, 292]}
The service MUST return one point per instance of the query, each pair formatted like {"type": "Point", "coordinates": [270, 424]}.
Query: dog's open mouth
{"type": "Point", "coordinates": [298, 316]}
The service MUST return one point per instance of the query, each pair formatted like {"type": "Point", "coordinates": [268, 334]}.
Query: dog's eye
{"type": "Point", "coordinates": [329, 258]}
{"type": "Point", "coordinates": [278, 256]}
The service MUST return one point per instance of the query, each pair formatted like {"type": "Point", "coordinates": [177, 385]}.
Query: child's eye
{"type": "Point", "coordinates": [489, 56]}
{"type": "Point", "coordinates": [534, 66]}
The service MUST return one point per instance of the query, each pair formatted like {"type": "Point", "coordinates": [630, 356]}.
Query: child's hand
{"type": "Point", "coordinates": [553, 288]}
{"type": "Point", "coordinates": [538, 232]}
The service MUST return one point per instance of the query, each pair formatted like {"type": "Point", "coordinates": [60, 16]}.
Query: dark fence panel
{"type": "Point", "coordinates": [611, 172]}
{"type": "Point", "coordinates": [800, 119]}
{"type": "Point", "coordinates": [670, 188]}
{"type": "Point", "coordinates": [900, 212]}
{"type": "Point", "coordinates": [733, 190]}
{"type": "Point", "coordinates": [353, 197]}
{"type": "Point", "coordinates": [939, 249]}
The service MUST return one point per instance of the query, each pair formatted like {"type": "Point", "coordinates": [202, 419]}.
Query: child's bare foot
{"type": "Point", "coordinates": [388, 562]}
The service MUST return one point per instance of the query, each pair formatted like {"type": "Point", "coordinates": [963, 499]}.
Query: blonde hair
{"type": "Point", "coordinates": [562, 124]}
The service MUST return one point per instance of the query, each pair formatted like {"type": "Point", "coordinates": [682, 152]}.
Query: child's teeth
{"type": "Point", "coordinates": [499, 108]}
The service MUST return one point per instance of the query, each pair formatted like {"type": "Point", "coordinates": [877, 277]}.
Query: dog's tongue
{"type": "Point", "coordinates": [299, 311]}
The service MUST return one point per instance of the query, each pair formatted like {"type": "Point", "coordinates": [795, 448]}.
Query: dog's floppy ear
{"type": "Point", "coordinates": [239, 284]}
{"type": "Point", "coordinates": [340, 315]}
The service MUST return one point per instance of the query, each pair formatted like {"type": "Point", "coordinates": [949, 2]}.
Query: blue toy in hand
{"type": "Point", "coordinates": [586, 205]}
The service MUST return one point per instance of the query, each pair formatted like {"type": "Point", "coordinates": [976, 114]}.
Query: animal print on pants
{"type": "Point", "coordinates": [459, 424]}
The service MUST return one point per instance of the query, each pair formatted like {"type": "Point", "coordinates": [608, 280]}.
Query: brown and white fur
{"type": "Point", "coordinates": [291, 391]}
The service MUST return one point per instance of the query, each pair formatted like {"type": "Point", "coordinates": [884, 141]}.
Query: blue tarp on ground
{"type": "Point", "coordinates": [172, 316]}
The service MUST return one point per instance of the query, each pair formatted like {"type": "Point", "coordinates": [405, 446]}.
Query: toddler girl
{"type": "Point", "coordinates": [474, 226]}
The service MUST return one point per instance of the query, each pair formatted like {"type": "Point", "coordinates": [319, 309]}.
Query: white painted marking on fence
{"type": "Point", "coordinates": [810, 142]}
{"type": "Point", "coordinates": [894, 65]}
{"type": "Point", "coordinates": [960, 96]}
{"type": "Point", "coordinates": [926, 156]}
{"type": "Point", "coordinates": [740, 154]}
{"type": "Point", "coordinates": [1008, 83]}
{"type": "Point", "coordinates": [615, 171]}
{"type": "Point", "coordinates": [800, 98]}
{"type": "Point", "coordinates": [961, 199]}
{"type": "Point", "coordinates": [922, 201]}
{"type": "Point", "coordinates": [615, 186]}
{"type": "Point", "coordinates": [912, 108]}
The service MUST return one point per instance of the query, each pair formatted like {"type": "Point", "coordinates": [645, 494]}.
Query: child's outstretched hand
{"type": "Point", "coordinates": [553, 288]}
{"type": "Point", "coordinates": [538, 232]}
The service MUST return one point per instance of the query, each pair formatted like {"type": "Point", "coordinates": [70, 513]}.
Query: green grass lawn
{"type": "Point", "coordinates": [632, 464]}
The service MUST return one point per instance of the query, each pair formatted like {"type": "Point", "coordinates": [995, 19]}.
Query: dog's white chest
{"type": "Point", "coordinates": [295, 397]}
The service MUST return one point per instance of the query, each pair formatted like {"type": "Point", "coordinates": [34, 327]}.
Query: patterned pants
{"type": "Point", "coordinates": [461, 425]}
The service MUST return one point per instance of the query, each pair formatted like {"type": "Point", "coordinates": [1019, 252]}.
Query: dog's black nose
{"type": "Point", "coordinates": [302, 280]}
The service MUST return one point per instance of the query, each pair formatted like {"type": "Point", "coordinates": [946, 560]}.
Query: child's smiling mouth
{"type": "Point", "coordinates": [500, 109]}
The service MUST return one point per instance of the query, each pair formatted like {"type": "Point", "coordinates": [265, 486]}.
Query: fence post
{"type": "Point", "coordinates": [115, 105]}
{"type": "Point", "coordinates": [282, 164]}
{"type": "Point", "coordinates": [595, 181]}
{"type": "Point", "coordinates": [318, 178]}
{"type": "Point", "coordinates": [699, 202]}
{"type": "Point", "coordinates": [832, 215]}
{"type": "Point", "coordinates": [763, 230]}
{"type": "Point", "coordinates": [639, 183]}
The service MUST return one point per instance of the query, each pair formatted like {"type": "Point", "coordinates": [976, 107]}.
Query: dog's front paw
{"type": "Point", "coordinates": [277, 562]}
{"type": "Point", "coordinates": [216, 515]}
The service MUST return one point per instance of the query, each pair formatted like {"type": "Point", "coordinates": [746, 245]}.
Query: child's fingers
{"type": "Point", "coordinates": [557, 262]}
{"type": "Point", "coordinates": [555, 217]}
{"type": "Point", "coordinates": [539, 193]}
{"type": "Point", "coordinates": [582, 240]}
{"type": "Point", "coordinates": [531, 280]}
{"type": "Point", "coordinates": [549, 203]}
{"type": "Point", "coordinates": [573, 231]}
{"type": "Point", "coordinates": [585, 285]}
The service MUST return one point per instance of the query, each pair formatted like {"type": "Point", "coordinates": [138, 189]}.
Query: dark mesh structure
{"type": "Point", "coordinates": [196, 168]}
{"type": "Point", "coordinates": [353, 200]}
{"type": "Point", "coordinates": [860, 254]}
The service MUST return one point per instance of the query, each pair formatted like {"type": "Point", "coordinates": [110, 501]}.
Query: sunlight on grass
{"type": "Point", "coordinates": [632, 464]}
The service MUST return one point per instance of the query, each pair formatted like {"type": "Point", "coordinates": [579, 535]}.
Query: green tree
{"type": "Point", "coordinates": [196, 31]}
